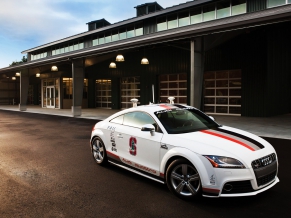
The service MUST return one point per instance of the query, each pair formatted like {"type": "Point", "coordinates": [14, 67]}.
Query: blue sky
{"type": "Point", "coordinates": [25, 24]}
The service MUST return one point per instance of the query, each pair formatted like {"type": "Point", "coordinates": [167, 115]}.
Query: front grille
{"type": "Point", "coordinates": [266, 179]}
{"type": "Point", "coordinates": [264, 161]}
{"type": "Point", "coordinates": [237, 187]}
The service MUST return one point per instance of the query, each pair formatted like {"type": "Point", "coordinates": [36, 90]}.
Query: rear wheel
{"type": "Point", "coordinates": [183, 179]}
{"type": "Point", "coordinates": [98, 151]}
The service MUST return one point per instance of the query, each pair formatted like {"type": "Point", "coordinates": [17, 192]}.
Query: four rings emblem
{"type": "Point", "coordinates": [266, 161]}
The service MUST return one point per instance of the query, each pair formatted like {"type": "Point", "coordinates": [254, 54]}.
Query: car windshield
{"type": "Point", "coordinates": [185, 120]}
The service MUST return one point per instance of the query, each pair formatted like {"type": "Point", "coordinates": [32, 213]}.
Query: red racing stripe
{"type": "Point", "coordinates": [228, 138]}
{"type": "Point", "coordinates": [165, 106]}
{"type": "Point", "coordinates": [111, 154]}
{"type": "Point", "coordinates": [211, 190]}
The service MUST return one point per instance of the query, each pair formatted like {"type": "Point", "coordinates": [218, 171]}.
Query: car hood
{"type": "Point", "coordinates": [223, 141]}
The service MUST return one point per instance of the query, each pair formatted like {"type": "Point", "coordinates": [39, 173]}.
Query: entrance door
{"type": "Point", "coordinates": [50, 97]}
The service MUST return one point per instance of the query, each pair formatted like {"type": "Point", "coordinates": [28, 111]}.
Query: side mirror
{"type": "Point", "coordinates": [148, 128]}
{"type": "Point", "coordinates": [212, 118]}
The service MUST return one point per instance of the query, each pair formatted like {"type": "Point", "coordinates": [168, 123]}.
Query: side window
{"type": "Point", "coordinates": [137, 119]}
{"type": "Point", "coordinates": [117, 120]}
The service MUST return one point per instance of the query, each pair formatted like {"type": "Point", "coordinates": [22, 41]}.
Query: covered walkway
{"type": "Point", "coordinates": [274, 127]}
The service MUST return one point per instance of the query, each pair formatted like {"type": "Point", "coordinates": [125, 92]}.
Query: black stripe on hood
{"type": "Point", "coordinates": [241, 136]}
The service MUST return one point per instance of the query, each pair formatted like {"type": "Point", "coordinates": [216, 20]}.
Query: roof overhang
{"type": "Point", "coordinates": [266, 17]}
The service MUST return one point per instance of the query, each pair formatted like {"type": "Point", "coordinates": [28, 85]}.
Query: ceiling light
{"type": "Point", "coordinates": [13, 78]}
{"type": "Point", "coordinates": [17, 74]}
{"type": "Point", "coordinates": [54, 68]}
{"type": "Point", "coordinates": [112, 65]}
{"type": "Point", "coordinates": [37, 75]}
{"type": "Point", "coordinates": [145, 61]}
{"type": "Point", "coordinates": [119, 58]}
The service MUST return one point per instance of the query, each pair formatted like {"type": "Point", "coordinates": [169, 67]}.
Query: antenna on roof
{"type": "Point", "coordinates": [171, 99]}
{"type": "Point", "coordinates": [134, 102]}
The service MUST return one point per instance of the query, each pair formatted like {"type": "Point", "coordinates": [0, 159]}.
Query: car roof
{"type": "Point", "coordinates": [151, 108]}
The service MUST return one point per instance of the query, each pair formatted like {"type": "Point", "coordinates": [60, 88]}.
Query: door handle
{"type": "Point", "coordinates": [164, 146]}
{"type": "Point", "coordinates": [119, 136]}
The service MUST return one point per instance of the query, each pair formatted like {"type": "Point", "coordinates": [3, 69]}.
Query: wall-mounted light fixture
{"type": "Point", "coordinates": [17, 74]}
{"type": "Point", "coordinates": [37, 75]}
{"type": "Point", "coordinates": [13, 78]}
{"type": "Point", "coordinates": [119, 58]}
{"type": "Point", "coordinates": [54, 68]}
{"type": "Point", "coordinates": [112, 65]}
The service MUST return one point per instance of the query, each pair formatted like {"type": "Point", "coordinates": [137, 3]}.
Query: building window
{"type": "Point", "coordinates": [36, 56]}
{"type": "Point", "coordinates": [130, 88]}
{"type": "Point", "coordinates": [122, 33]}
{"type": "Point", "coordinates": [209, 12]}
{"type": "Point", "coordinates": [273, 3]}
{"type": "Point", "coordinates": [138, 29]}
{"type": "Point", "coordinates": [103, 93]}
{"type": "Point", "coordinates": [95, 41]}
{"type": "Point", "coordinates": [130, 32]}
{"type": "Point", "coordinates": [161, 23]}
{"type": "Point", "coordinates": [238, 7]}
{"type": "Point", "coordinates": [108, 37]}
{"type": "Point", "coordinates": [115, 35]}
{"type": "Point", "coordinates": [184, 19]}
{"type": "Point", "coordinates": [172, 21]}
{"type": "Point", "coordinates": [101, 39]}
{"type": "Point", "coordinates": [173, 85]}
{"type": "Point", "coordinates": [68, 88]}
{"type": "Point", "coordinates": [223, 9]}
{"type": "Point", "coordinates": [222, 92]}
{"type": "Point", "coordinates": [196, 15]}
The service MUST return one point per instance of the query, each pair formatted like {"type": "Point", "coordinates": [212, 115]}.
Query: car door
{"type": "Point", "coordinates": [137, 148]}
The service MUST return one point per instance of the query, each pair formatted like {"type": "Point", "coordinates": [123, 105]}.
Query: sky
{"type": "Point", "coordinates": [25, 24]}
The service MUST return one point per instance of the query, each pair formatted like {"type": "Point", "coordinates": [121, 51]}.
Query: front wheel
{"type": "Point", "coordinates": [183, 179]}
{"type": "Point", "coordinates": [98, 151]}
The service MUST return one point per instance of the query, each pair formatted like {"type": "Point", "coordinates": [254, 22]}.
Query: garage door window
{"type": "Point", "coordinates": [103, 93]}
{"type": "Point", "coordinates": [130, 88]}
{"type": "Point", "coordinates": [222, 92]}
{"type": "Point", "coordinates": [173, 85]}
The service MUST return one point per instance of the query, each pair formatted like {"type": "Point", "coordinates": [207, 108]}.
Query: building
{"type": "Point", "coordinates": [227, 57]}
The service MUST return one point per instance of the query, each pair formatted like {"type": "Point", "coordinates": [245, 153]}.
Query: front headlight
{"type": "Point", "coordinates": [224, 162]}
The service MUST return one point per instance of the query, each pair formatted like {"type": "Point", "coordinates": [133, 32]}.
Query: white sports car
{"type": "Point", "coordinates": [181, 146]}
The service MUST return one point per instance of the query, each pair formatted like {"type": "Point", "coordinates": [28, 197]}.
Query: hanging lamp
{"type": "Point", "coordinates": [119, 58]}
{"type": "Point", "coordinates": [112, 65]}
{"type": "Point", "coordinates": [54, 68]}
{"type": "Point", "coordinates": [144, 60]}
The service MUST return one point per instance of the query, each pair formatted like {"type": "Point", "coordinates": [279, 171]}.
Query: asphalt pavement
{"type": "Point", "coordinates": [46, 170]}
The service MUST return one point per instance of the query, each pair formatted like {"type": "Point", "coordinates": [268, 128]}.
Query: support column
{"type": "Point", "coordinates": [196, 74]}
{"type": "Point", "coordinates": [24, 83]}
{"type": "Point", "coordinates": [78, 86]}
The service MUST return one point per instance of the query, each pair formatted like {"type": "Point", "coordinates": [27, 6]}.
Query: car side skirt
{"type": "Point", "coordinates": [136, 171]}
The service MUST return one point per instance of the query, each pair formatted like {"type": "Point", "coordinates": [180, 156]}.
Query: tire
{"type": "Point", "coordinates": [99, 151]}
{"type": "Point", "coordinates": [183, 179]}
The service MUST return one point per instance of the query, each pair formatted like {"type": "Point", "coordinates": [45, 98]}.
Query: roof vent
{"type": "Point", "coordinates": [96, 24]}
{"type": "Point", "coordinates": [147, 8]}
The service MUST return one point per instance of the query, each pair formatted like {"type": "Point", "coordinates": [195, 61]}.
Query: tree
{"type": "Point", "coordinates": [23, 60]}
